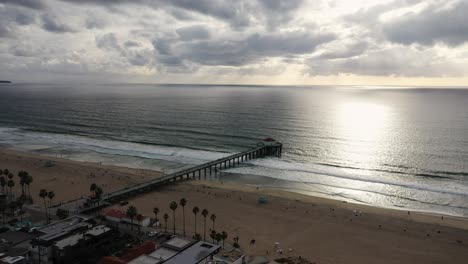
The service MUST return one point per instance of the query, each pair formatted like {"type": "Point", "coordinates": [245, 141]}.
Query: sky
{"type": "Point", "coordinates": [276, 42]}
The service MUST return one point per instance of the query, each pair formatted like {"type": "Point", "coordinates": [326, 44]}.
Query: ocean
{"type": "Point", "coordinates": [403, 148]}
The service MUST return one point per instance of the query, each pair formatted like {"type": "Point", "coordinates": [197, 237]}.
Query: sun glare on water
{"type": "Point", "coordinates": [363, 127]}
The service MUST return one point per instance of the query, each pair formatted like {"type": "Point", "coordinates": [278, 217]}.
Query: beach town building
{"type": "Point", "coordinates": [233, 256]}
{"type": "Point", "coordinates": [65, 240]}
{"type": "Point", "coordinates": [177, 250]}
{"type": "Point", "coordinates": [118, 216]}
{"type": "Point", "coordinates": [14, 245]}
{"type": "Point", "coordinates": [13, 260]}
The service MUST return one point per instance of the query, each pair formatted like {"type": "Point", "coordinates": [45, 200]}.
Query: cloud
{"type": "Point", "coordinates": [243, 38]}
{"type": "Point", "coordinates": [253, 48]}
{"type": "Point", "coordinates": [344, 51]}
{"type": "Point", "coordinates": [193, 32]}
{"type": "Point", "coordinates": [131, 51]}
{"type": "Point", "coordinates": [94, 22]}
{"type": "Point", "coordinates": [435, 24]}
{"type": "Point", "coordinates": [239, 14]}
{"type": "Point", "coordinates": [394, 61]}
{"type": "Point", "coordinates": [52, 24]}
{"type": "Point", "coordinates": [33, 4]}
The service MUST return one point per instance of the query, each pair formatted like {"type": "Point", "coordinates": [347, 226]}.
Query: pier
{"type": "Point", "coordinates": [267, 148]}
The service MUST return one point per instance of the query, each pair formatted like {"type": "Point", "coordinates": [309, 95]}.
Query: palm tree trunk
{"type": "Point", "coordinates": [204, 229]}
{"type": "Point", "coordinates": [195, 224]}
{"type": "Point", "coordinates": [183, 217]}
{"type": "Point", "coordinates": [45, 207]}
{"type": "Point", "coordinates": [173, 219]}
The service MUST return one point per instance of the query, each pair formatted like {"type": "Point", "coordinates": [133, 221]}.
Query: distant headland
{"type": "Point", "coordinates": [3, 81]}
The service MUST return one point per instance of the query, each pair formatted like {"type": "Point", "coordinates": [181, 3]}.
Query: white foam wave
{"type": "Point", "coordinates": [320, 174]}
{"type": "Point", "coordinates": [44, 142]}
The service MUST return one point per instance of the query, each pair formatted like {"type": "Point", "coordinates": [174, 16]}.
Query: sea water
{"type": "Point", "coordinates": [400, 147]}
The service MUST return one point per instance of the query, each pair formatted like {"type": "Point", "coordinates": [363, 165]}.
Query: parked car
{"type": "Point", "coordinates": [122, 203]}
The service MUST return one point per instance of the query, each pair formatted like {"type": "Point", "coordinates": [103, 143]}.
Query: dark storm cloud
{"type": "Point", "coordinates": [108, 41]}
{"type": "Point", "coordinates": [136, 57]}
{"type": "Point", "coordinates": [93, 22]}
{"type": "Point", "coordinates": [23, 18]}
{"type": "Point", "coordinates": [253, 48]}
{"type": "Point", "coordinates": [239, 14]}
{"type": "Point", "coordinates": [193, 32]}
{"type": "Point", "coordinates": [12, 17]}
{"type": "Point", "coordinates": [33, 4]}
{"type": "Point", "coordinates": [433, 25]}
{"type": "Point", "coordinates": [53, 24]}
{"type": "Point", "coordinates": [4, 31]}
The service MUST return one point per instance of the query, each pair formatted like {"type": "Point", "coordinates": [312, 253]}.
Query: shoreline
{"type": "Point", "coordinates": [321, 230]}
{"type": "Point", "coordinates": [125, 174]}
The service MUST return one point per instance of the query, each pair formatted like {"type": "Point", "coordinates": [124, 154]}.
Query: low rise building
{"type": "Point", "coordinates": [233, 256]}
{"type": "Point", "coordinates": [13, 260]}
{"type": "Point", "coordinates": [41, 246]}
{"type": "Point", "coordinates": [118, 216]}
{"type": "Point", "coordinates": [68, 240]}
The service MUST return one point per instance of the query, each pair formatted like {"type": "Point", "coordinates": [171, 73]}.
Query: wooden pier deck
{"type": "Point", "coordinates": [263, 149]}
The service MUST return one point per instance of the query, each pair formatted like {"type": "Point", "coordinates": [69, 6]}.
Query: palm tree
{"type": "Point", "coordinates": [132, 212]}
{"type": "Point", "coordinates": [3, 182]}
{"type": "Point", "coordinates": [156, 212]}
{"type": "Point", "coordinates": [213, 235]}
{"type": "Point", "coordinates": [98, 194]}
{"type": "Point", "coordinates": [205, 214]}
{"type": "Point", "coordinates": [93, 187]}
{"type": "Point", "coordinates": [22, 175]}
{"type": "Point", "coordinates": [6, 172]}
{"type": "Point", "coordinates": [43, 195]}
{"type": "Point", "coordinates": [173, 207]}
{"type": "Point", "coordinates": [224, 236]}
{"type": "Point", "coordinates": [183, 202]}
{"type": "Point", "coordinates": [3, 207]}
{"type": "Point", "coordinates": [166, 216]}
{"type": "Point", "coordinates": [19, 205]}
{"type": "Point", "coordinates": [10, 184]}
{"type": "Point", "coordinates": [51, 196]}
{"type": "Point", "coordinates": [195, 211]}
{"type": "Point", "coordinates": [29, 180]}
{"type": "Point", "coordinates": [213, 219]}
{"type": "Point", "coordinates": [218, 237]}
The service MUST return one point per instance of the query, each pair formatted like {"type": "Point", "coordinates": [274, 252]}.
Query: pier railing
{"type": "Point", "coordinates": [263, 149]}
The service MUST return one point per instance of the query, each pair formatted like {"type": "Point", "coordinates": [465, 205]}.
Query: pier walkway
{"type": "Point", "coordinates": [267, 147]}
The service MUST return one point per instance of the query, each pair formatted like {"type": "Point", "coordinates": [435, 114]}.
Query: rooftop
{"type": "Point", "coordinates": [115, 213]}
{"type": "Point", "coordinates": [229, 255]}
{"type": "Point", "coordinates": [194, 254]}
{"type": "Point", "coordinates": [144, 259]}
{"type": "Point", "coordinates": [15, 237]}
{"type": "Point", "coordinates": [177, 243]}
{"type": "Point", "coordinates": [74, 239]}
{"type": "Point", "coordinates": [10, 260]}
{"type": "Point", "coordinates": [163, 253]}
{"type": "Point", "coordinates": [61, 225]}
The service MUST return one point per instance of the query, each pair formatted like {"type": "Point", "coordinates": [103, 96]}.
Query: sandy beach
{"type": "Point", "coordinates": [321, 230]}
